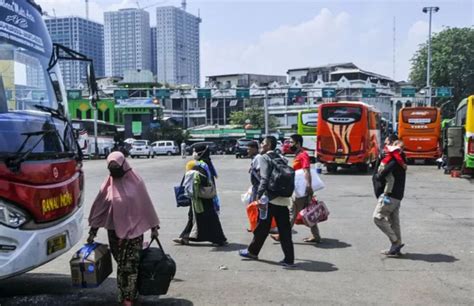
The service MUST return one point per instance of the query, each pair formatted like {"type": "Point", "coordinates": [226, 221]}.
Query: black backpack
{"type": "Point", "coordinates": [282, 179]}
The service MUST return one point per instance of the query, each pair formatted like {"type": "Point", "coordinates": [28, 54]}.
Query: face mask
{"type": "Point", "coordinates": [293, 149]}
{"type": "Point", "coordinates": [117, 172]}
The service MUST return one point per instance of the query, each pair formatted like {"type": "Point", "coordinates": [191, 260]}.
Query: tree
{"type": "Point", "coordinates": [256, 115]}
{"type": "Point", "coordinates": [452, 62]}
{"type": "Point", "coordinates": [168, 131]}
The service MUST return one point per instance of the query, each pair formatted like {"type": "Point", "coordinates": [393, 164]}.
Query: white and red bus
{"type": "Point", "coordinates": [41, 177]}
{"type": "Point", "coordinates": [105, 136]}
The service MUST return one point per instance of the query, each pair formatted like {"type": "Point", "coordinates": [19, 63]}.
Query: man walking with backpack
{"type": "Point", "coordinates": [273, 195]}
{"type": "Point", "coordinates": [302, 161]}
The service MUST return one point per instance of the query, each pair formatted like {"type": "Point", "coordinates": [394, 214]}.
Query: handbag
{"type": "Point", "coordinates": [207, 192]}
{"type": "Point", "coordinates": [181, 199]}
{"type": "Point", "coordinates": [312, 214]}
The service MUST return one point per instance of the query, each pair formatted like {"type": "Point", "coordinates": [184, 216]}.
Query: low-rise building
{"type": "Point", "coordinates": [227, 81]}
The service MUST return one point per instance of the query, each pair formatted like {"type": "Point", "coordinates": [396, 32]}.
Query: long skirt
{"type": "Point", "coordinates": [204, 226]}
{"type": "Point", "coordinates": [126, 253]}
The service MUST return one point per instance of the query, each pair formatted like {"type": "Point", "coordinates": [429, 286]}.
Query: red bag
{"type": "Point", "coordinates": [252, 214]}
{"type": "Point", "coordinates": [312, 214]}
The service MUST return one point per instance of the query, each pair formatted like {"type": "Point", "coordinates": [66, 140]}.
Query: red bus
{"type": "Point", "coordinates": [348, 134]}
{"type": "Point", "coordinates": [420, 130]}
{"type": "Point", "coordinates": [41, 177]}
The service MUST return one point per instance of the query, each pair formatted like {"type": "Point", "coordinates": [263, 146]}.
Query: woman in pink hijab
{"type": "Point", "coordinates": [124, 208]}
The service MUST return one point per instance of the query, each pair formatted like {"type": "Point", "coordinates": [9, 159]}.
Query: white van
{"type": "Point", "coordinates": [168, 147]}
{"type": "Point", "coordinates": [141, 148]}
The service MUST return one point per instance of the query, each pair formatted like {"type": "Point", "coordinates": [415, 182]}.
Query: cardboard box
{"type": "Point", "coordinates": [91, 265]}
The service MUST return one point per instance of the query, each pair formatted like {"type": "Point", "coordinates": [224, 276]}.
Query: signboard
{"type": "Point", "coordinates": [408, 91]}
{"type": "Point", "coordinates": [204, 93]}
{"type": "Point", "coordinates": [242, 93]}
{"type": "Point", "coordinates": [369, 93]}
{"type": "Point", "coordinates": [162, 93]}
{"type": "Point", "coordinates": [329, 92]}
{"type": "Point", "coordinates": [136, 127]}
{"type": "Point", "coordinates": [444, 92]}
{"type": "Point", "coordinates": [74, 94]}
{"type": "Point", "coordinates": [120, 94]}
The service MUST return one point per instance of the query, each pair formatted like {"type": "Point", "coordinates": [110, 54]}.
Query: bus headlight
{"type": "Point", "coordinates": [11, 216]}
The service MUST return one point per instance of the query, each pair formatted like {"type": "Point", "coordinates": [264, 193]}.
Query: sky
{"type": "Point", "coordinates": [272, 36]}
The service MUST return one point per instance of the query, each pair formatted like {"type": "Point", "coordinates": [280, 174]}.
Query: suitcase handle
{"type": "Point", "coordinates": [157, 241]}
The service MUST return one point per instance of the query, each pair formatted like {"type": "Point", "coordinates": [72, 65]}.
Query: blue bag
{"type": "Point", "coordinates": [181, 199]}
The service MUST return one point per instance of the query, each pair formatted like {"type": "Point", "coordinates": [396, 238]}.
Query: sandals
{"type": "Point", "coordinates": [182, 241]}
{"type": "Point", "coordinates": [275, 237]}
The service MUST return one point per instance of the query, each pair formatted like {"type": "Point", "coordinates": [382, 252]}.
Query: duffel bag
{"type": "Point", "coordinates": [156, 270]}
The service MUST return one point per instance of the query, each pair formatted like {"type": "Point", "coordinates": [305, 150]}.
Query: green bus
{"type": "Point", "coordinates": [306, 126]}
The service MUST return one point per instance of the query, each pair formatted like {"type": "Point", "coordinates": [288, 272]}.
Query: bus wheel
{"type": "Point", "coordinates": [331, 168]}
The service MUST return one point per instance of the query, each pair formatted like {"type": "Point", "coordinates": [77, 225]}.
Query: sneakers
{"type": "Point", "coordinates": [395, 250]}
{"type": "Point", "coordinates": [286, 264]}
{"type": "Point", "coordinates": [246, 254]}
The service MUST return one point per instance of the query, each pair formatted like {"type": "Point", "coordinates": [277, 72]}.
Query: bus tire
{"type": "Point", "coordinates": [331, 168]}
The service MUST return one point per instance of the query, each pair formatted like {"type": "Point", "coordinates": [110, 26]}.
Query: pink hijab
{"type": "Point", "coordinates": [123, 204]}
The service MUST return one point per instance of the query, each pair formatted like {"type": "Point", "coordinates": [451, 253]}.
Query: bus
{"type": "Point", "coordinates": [41, 176]}
{"type": "Point", "coordinates": [465, 118]}
{"type": "Point", "coordinates": [348, 135]}
{"type": "Point", "coordinates": [306, 127]}
{"type": "Point", "coordinates": [106, 132]}
{"type": "Point", "coordinates": [420, 129]}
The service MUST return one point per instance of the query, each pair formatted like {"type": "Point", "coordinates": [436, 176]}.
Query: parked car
{"type": "Point", "coordinates": [241, 147]}
{"type": "Point", "coordinates": [212, 147]}
{"type": "Point", "coordinates": [141, 148]}
{"type": "Point", "coordinates": [162, 147]}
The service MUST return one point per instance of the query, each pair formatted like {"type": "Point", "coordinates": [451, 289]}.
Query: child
{"type": "Point", "coordinates": [391, 152]}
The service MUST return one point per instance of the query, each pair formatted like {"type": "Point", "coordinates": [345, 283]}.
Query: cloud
{"type": "Point", "coordinates": [288, 46]}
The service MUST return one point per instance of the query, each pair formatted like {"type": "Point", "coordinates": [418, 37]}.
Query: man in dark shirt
{"type": "Point", "coordinates": [386, 213]}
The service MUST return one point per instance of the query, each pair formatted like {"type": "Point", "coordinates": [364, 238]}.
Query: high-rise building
{"type": "Point", "coordinates": [177, 37]}
{"type": "Point", "coordinates": [154, 55]}
{"type": "Point", "coordinates": [127, 41]}
{"type": "Point", "coordinates": [83, 36]}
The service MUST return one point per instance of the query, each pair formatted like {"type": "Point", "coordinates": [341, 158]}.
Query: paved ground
{"type": "Point", "coordinates": [437, 225]}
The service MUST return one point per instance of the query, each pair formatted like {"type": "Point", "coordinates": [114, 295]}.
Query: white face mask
{"type": "Point", "coordinates": [195, 156]}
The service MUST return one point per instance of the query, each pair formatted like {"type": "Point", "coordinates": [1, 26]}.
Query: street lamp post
{"type": "Point", "coordinates": [429, 10]}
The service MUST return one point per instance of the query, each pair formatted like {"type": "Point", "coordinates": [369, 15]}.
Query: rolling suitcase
{"type": "Point", "coordinates": [156, 271]}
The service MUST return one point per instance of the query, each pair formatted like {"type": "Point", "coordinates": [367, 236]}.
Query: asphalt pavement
{"type": "Point", "coordinates": [346, 268]}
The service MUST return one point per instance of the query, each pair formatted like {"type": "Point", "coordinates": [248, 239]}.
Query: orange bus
{"type": "Point", "coordinates": [348, 134]}
{"type": "Point", "coordinates": [420, 130]}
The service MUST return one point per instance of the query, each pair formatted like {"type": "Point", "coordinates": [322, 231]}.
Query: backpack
{"type": "Point", "coordinates": [282, 178]}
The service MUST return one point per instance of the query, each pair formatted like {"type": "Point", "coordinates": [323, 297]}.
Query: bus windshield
{"type": "Point", "coordinates": [309, 119]}
{"type": "Point", "coordinates": [24, 79]}
{"type": "Point", "coordinates": [342, 114]}
{"type": "Point", "coordinates": [418, 116]}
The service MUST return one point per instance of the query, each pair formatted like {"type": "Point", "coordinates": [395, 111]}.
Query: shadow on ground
{"type": "Point", "coordinates": [327, 243]}
{"type": "Point", "coordinates": [56, 290]}
{"type": "Point", "coordinates": [304, 265]}
{"type": "Point", "coordinates": [433, 258]}
{"type": "Point", "coordinates": [231, 247]}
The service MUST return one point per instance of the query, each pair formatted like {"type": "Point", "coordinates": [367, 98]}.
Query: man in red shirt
{"type": "Point", "coordinates": [302, 161]}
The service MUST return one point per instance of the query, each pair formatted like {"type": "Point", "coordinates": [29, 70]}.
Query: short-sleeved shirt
{"type": "Point", "coordinates": [301, 161]}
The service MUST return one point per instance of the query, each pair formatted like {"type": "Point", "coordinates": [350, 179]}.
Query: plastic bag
{"type": "Point", "coordinates": [247, 197]}
{"type": "Point", "coordinates": [300, 182]}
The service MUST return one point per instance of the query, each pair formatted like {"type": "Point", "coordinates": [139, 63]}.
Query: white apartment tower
{"type": "Point", "coordinates": [177, 38]}
{"type": "Point", "coordinates": [127, 41]}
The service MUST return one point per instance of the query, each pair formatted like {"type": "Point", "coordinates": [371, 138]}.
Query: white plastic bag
{"type": "Point", "coordinates": [246, 197]}
{"type": "Point", "coordinates": [300, 182]}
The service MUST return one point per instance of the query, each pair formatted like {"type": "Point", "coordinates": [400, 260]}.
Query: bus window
{"type": "Point", "coordinates": [342, 114]}
{"type": "Point", "coordinates": [461, 116]}
{"type": "Point", "coordinates": [309, 119]}
{"type": "Point", "coordinates": [417, 116]}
